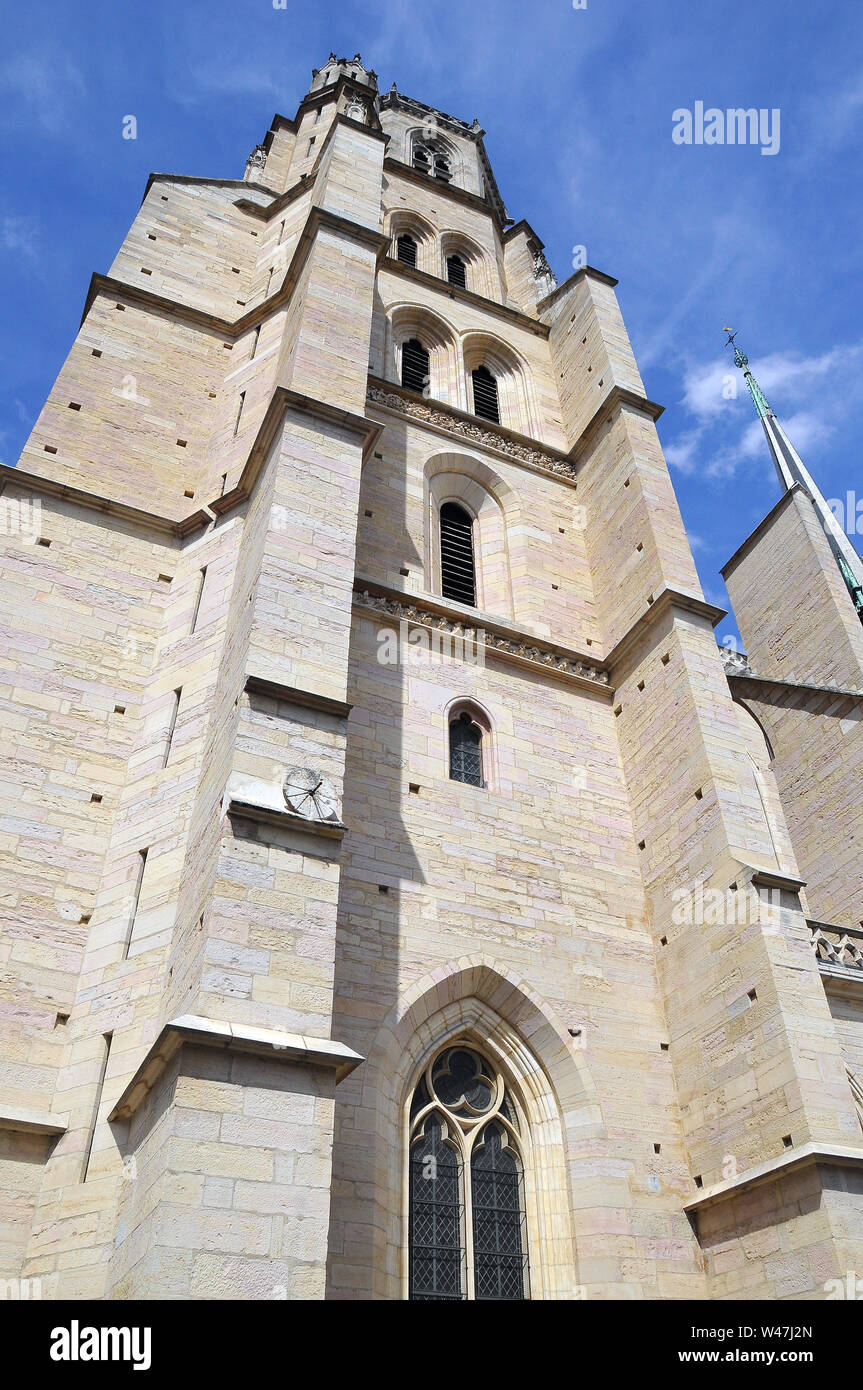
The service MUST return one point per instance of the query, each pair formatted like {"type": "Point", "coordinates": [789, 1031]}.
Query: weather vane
{"type": "Point", "coordinates": [740, 359]}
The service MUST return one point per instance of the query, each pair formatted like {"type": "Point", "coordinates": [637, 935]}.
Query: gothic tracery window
{"type": "Point", "coordinates": [431, 158]}
{"type": "Point", "coordinates": [467, 1231]}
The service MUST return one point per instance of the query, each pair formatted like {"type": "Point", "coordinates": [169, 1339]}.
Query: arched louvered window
{"type": "Point", "coordinates": [415, 365]}
{"type": "Point", "coordinates": [406, 250]}
{"type": "Point", "coordinates": [485, 394]}
{"type": "Point", "coordinates": [467, 1230]}
{"type": "Point", "coordinates": [455, 271]}
{"type": "Point", "coordinates": [458, 574]}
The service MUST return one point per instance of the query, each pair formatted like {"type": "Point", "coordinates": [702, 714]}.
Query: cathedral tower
{"type": "Point", "coordinates": [398, 900]}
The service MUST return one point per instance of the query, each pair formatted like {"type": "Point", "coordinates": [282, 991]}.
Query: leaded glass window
{"type": "Point", "coordinates": [465, 751]}
{"type": "Point", "coordinates": [467, 1232]}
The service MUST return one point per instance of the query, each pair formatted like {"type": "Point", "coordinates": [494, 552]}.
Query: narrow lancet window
{"type": "Point", "coordinates": [458, 571]}
{"type": "Point", "coordinates": [455, 272]}
{"type": "Point", "coordinates": [406, 250]}
{"type": "Point", "coordinates": [485, 401]}
{"type": "Point", "coordinates": [415, 366]}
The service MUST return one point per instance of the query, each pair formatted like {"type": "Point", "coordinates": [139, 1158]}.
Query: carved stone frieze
{"type": "Point", "coordinates": [429, 414]}
{"type": "Point", "coordinates": [523, 648]}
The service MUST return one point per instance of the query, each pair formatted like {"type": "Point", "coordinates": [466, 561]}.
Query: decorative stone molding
{"type": "Point", "coordinates": [454, 423]}
{"type": "Point", "coordinates": [735, 663]}
{"type": "Point", "coordinates": [520, 647]}
{"type": "Point", "coordinates": [837, 946]}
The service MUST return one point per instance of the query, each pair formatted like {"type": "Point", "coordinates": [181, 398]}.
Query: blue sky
{"type": "Point", "coordinates": [577, 106]}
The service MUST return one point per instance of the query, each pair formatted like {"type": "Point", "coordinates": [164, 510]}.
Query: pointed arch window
{"type": "Point", "coordinates": [485, 402]}
{"type": "Point", "coordinates": [465, 751]}
{"type": "Point", "coordinates": [406, 250]}
{"type": "Point", "coordinates": [458, 571]}
{"type": "Point", "coordinates": [456, 272]}
{"type": "Point", "coordinates": [415, 365]}
{"type": "Point", "coordinates": [467, 1230]}
{"type": "Point", "coordinates": [430, 158]}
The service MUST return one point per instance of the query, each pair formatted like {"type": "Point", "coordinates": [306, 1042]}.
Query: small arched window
{"type": "Point", "coordinates": [458, 572]}
{"type": "Point", "coordinates": [485, 401]}
{"type": "Point", "coordinates": [467, 1231]}
{"type": "Point", "coordinates": [406, 250]}
{"type": "Point", "coordinates": [465, 751]}
{"type": "Point", "coordinates": [415, 365]}
{"type": "Point", "coordinates": [456, 272]}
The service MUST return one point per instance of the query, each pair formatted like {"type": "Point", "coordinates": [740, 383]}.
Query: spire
{"type": "Point", "coordinates": [791, 469]}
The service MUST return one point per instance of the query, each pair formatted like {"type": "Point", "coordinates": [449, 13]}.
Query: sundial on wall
{"type": "Point", "coordinates": [310, 794]}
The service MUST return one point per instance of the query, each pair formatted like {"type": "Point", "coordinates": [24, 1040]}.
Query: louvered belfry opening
{"type": "Point", "coordinates": [465, 751]}
{"type": "Point", "coordinates": [458, 575]}
{"type": "Point", "coordinates": [455, 272]}
{"type": "Point", "coordinates": [415, 365]}
{"type": "Point", "coordinates": [485, 395]}
{"type": "Point", "coordinates": [406, 250]}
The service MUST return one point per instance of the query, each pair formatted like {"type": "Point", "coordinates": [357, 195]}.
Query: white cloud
{"type": "Point", "coordinates": [44, 90]}
{"type": "Point", "coordinates": [20, 235]}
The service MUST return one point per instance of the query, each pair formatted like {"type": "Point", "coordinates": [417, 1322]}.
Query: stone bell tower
{"type": "Point", "coordinates": [367, 737]}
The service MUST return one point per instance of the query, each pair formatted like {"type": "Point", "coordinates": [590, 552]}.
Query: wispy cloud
{"type": "Point", "coordinates": [41, 88]}
{"type": "Point", "coordinates": [20, 236]}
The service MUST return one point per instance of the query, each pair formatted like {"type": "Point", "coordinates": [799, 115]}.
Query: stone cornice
{"type": "Point", "coordinates": [282, 400]}
{"type": "Point", "coordinates": [26, 1121]}
{"type": "Point", "coordinates": [285, 820]}
{"type": "Point", "coordinates": [763, 525]}
{"type": "Point", "coordinates": [756, 686]}
{"type": "Point", "coordinates": [498, 639]}
{"type": "Point", "coordinates": [267, 211]}
{"type": "Point", "coordinates": [233, 1037]}
{"type": "Point", "coordinates": [585, 272]}
{"type": "Point", "coordinates": [446, 420]}
{"type": "Point", "coordinates": [617, 398]}
{"type": "Point", "coordinates": [665, 601]}
{"type": "Point", "coordinates": [293, 695]}
{"type": "Point", "coordinates": [459, 195]}
{"type": "Point", "coordinates": [435, 282]}
{"type": "Point", "coordinates": [209, 183]}
{"type": "Point", "coordinates": [93, 501]}
{"type": "Point", "coordinates": [234, 328]}
{"type": "Point", "coordinates": [835, 1155]}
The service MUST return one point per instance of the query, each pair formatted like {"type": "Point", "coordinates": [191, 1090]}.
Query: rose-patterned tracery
{"type": "Point", "coordinates": [467, 1225]}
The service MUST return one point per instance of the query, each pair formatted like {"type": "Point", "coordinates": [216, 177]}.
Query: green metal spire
{"type": "Point", "coordinates": [759, 399]}
{"type": "Point", "coordinates": [793, 472]}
